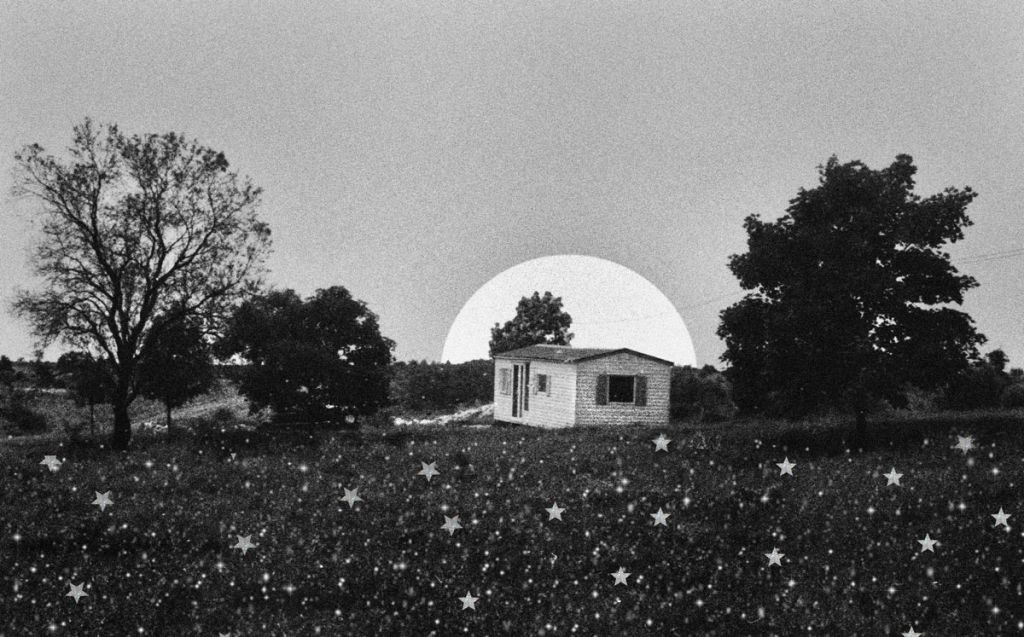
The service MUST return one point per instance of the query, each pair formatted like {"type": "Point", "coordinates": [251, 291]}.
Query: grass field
{"type": "Point", "coordinates": [159, 560]}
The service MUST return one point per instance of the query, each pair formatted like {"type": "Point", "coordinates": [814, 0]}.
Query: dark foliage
{"type": "Point", "coordinates": [177, 365]}
{"type": "Point", "coordinates": [89, 380]}
{"type": "Point", "coordinates": [7, 373]}
{"type": "Point", "coordinates": [849, 295]}
{"type": "Point", "coordinates": [17, 415]}
{"type": "Point", "coordinates": [981, 385]}
{"type": "Point", "coordinates": [43, 374]}
{"type": "Point", "coordinates": [700, 394]}
{"type": "Point", "coordinates": [538, 320]}
{"type": "Point", "coordinates": [423, 386]}
{"type": "Point", "coordinates": [319, 359]}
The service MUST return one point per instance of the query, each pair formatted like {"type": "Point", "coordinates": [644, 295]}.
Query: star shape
{"type": "Point", "coordinates": [555, 512]}
{"type": "Point", "coordinates": [1001, 518]}
{"type": "Point", "coordinates": [660, 517]}
{"type": "Point", "coordinates": [51, 462]}
{"type": "Point", "coordinates": [964, 443]}
{"type": "Point", "coordinates": [223, 634]}
{"type": "Point", "coordinates": [774, 557]}
{"type": "Point", "coordinates": [244, 543]}
{"type": "Point", "coordinates": [927, 544]}
{"type": "Point", "coordinates": [912, 633]}
{"type": "Point", "coordinates": [77, 592]}
{"type": "Point", "coordinates": [451, 524]}
{"type": "Point", "coordinates": [468, 601]}
{"type": "Point", "coordinates": [785, 467]}
{"type": "Point", "coordinates": [620, 576]}
{"type": "Point", "coordinates": [661, 443]}
{"type": "Point", "coordinates": [352, 496]}
{"type": "Point", "coordinates": [893, 477]}
{"type": "Point", "coordinates": [102, 500]}
{"type": "Point", "coordinates": [428, 470]}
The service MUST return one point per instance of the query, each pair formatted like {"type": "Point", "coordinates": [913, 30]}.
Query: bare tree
{"type": "Point", "coordinates": [135, 228]}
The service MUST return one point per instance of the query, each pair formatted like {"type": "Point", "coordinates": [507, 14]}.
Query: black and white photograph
{"type": "Point", "coordinates": [509, 318]}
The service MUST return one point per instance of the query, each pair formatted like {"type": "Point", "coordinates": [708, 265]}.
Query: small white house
{"type": "Point", "coordinates": [560, 386]}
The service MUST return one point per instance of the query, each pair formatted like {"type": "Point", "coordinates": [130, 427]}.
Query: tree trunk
{"type": "Point", "coordinates": [122, 434]}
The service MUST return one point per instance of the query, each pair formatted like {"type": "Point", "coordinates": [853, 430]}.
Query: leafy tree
{"type": "Point", "coordinates": [88, 379]}
{"type": "Point", "coordinates": [133, 226]}
{"type": "Point", "coordinates": [701, 394]}
{"type": "Point", "coordinates": [981, 385]}
{"type": "Point", "coordinates": [177, 366]}
{"type": "Point", "coordinates": [43, 373]}
{"type": "Point", "coordinates": [849, 295]}
{"type": "Point", "coordinates": [7, 373]}
{"type": "Point", "coordinates": [319, 359]}
{"type": "Point", "coordinates": [538, 320]}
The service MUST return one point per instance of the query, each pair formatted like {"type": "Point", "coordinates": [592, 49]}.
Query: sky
{"type": "Point", "coordinates": [411, 151]}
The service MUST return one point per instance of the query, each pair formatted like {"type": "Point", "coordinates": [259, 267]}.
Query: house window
{"type": "Point", "coordinates": [542, 383]}
{"type": "Point", "coordinates": [505, 381]}
{"type": "Point", "coordinates": [620, 389]}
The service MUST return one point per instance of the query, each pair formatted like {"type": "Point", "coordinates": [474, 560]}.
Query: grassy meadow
{"type": "Point", "coordinates": [159, 560]}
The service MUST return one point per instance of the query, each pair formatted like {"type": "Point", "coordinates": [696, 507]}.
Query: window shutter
{"type": "Point", "coordinates": [602, 389]}
{"type": "Point", "coordinates": [641, 391]}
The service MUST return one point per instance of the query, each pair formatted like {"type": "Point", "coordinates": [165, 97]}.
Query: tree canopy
{"type": "Point", "coordinates": [850, 295]}
{"type": "Point", "coordinates": [87, 378]}
{"type": "Point", "coordinates": [538, 320]}
{"type": "Point", "coordinates": [177, 365]}
{"type": "Point", "coordinates": [319, 359]}
{"type": "Point", "coordinates": [135, 228]}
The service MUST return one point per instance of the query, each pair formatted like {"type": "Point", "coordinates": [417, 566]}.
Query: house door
{"type": "Point", "coordinates": [520, 390]}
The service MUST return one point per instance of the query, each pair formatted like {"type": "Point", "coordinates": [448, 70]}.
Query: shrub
{"type": "Point", "coordinates": [423, 386]}
{"type": "Point", "coordinates": [1012, 397]}
{"type": "Point", "coordinates": [22, 418]}
{"type": "Point", "coordinates": [700, 394]}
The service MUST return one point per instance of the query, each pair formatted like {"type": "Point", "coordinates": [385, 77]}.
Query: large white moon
{"type": "Point", "coordinates": [611, 306]}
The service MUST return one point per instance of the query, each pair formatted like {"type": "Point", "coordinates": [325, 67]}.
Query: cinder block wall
{"type": "Point", "coordinates": [588, 412]}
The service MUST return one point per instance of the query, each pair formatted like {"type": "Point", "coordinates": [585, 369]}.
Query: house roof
{"type": "Point", "coordinates": [566, 354]}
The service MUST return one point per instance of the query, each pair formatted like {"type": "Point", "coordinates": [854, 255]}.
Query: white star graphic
{"type": "Point", "coordinates": [660, 517]}
{"type": "Point", "coordinates": [102, 500]}
{"type": "Point", "coordinates": [893, 477]}
{"type": "Point", "coordinates": [468, 601]}
{"type": "Point", "coordinates": [912, 633]}
{"type": "Point", "coordinates": [244, 543]}
{"type": "Point", "coordinates": [927, 544]}
{"type": "Point", "coordinates": [77, 592]}
{"type": "Point", "coordinates": [352, 496]}
{"type": "Point", "coordinates": [51, 462]}
{"type": "Point", "coordinates": [451, 524]}
{"type": "Point", "coordinates": [661, 443]}
{"type": "Point", "coordinates": [785, 467]}
{"type": "Point", "coordinates": [428, 470]}
{"type": "Point", "coordinates": [1001, 518]}
{"type": "Point", "coordinates": [555, 512]}
{"type": "Point", "coordinates": [620, 576]}
{"type": "Point", "coordinates": [774, 557]}
{"type": "Point", "coordinates": [964, 443]}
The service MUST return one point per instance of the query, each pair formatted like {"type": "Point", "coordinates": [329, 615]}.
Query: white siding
{"type": "Point", "coordinates": [588, 412]}
{"type": "Point", "coordinates": [503, 402]}
{"type": "Point", "coordinates": [557, 406]}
